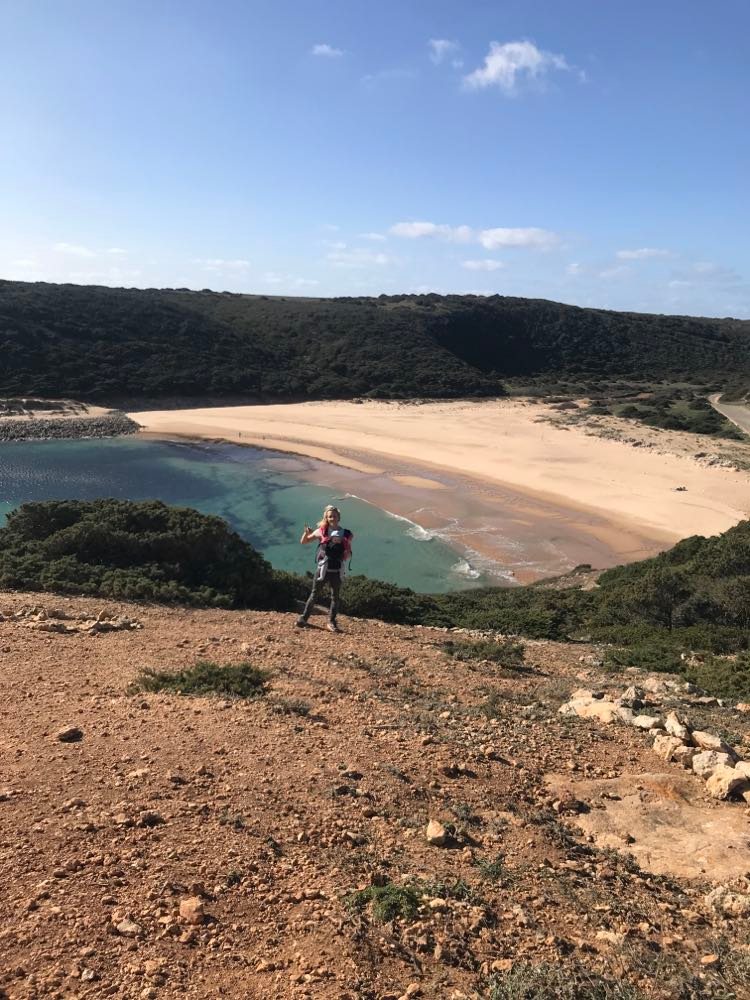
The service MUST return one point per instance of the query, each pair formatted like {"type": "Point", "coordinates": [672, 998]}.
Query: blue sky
{"type": "Point", "coordinates": [587, 151]}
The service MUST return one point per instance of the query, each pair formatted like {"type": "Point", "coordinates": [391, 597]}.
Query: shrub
{"type": "Point", "coordinates": [241, 680]}
{"type": "Point", "coordinates": [506, 653]}
{"type": "Point", "coordinates": [388, 901]}
{"type": "Point", "coordinates": [138, 551]}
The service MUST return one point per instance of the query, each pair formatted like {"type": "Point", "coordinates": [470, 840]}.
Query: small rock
{"type": "Point", "coordinates": [684, 755]}
{"type": "Point", "coordinates": [708, 741]}
{"type": "Point", "coordinates": [665, 746]}
{"type": "Point", "coordinates": [192, 910]}
{"type": "Point", "coordinates": [705, 763]}
{"type": "Point", "coordinates": [676, 727]}
{"type": "Point", "coordinates": [647, 722]}
{"type": "Point", "coordinates": [436, 834]}
{"type": "Point", "coordinates": [725, 781]}
{"type": "Point", "coordinates": [128, 928]}
{"type": "Point", "coordinates": [709, 961]}
{"type": "Point", "coordinates": [70, 734]}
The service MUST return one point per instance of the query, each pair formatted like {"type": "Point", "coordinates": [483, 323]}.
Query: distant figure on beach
{"type": "Point", "coordinates": [334, 548]}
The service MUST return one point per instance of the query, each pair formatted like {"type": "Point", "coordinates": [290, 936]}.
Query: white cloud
{"type": "Point", "coordinates": [326, 50]}
{"type": "Point", "coordinates": [615, 272]}
{"type": "Point", "coordinates": [643, 254]}
{"type": "Point", "coordinates": [504, 65]}
{"type": "Point", "coordinates": [306, 282]}
{"type": "Point", "coordinates": [272, 278]}
{"type": "Point", "coordinates": [483, 265]}
{"type": "Point", "coordinates": [24, 263]}
{"type": "Point", "coordinates": [416, 230]}
{"type": "Point", "coordinates": [441, 49]}
{"type": "Point", "coordinates": [357, 258]}
{"type": "Point", "coordinates": [117, 251]}
{"type": "Point", "coordinates": [74, 250]}
{"type": "Point", "coordinates": [680, 284]}
{"type": "Point", "coordinates": [219, 264]}
{"type": "Point", "coordinates": [375, 237]}
{"type": "Point", "coordinates": [575, 269]}
{"type": "Point", "coordinates": [530, 236]}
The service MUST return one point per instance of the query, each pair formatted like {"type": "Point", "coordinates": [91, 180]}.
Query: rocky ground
{"type": "Point", "coordinates": [385, 821]}
{"type": "Point", "coordinates": [40, 420]}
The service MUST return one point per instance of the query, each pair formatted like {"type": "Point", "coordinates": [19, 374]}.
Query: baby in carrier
{"type": "Point", "coordinates": [334, 549]}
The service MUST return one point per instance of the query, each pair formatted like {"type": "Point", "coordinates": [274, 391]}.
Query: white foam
{"type": "Point", "coordinates": [420, 534]}
{"type": "Point", "coordinates": [465, 569]}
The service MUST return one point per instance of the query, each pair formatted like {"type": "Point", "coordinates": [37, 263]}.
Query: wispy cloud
{"type": "Point", "coordinates": [357, 257]}
{"type": "Point", "coordinates": [644, 253]}
{"type": "Point", "coordinates": [483, 265]}
{"type": "Point", "coordinates": [375, 237]}
{"type": "Point", "coordinates": [490, 239]}
{"type": "Point", "coordinates": [506, 65]}
{"type": "Point", "coordinates": [442, 49]}
{"type": "Point", "coordinates": [117, 252]}
{"type": "Point", "coordinates": [529, 236]}
{"type": "Point", "coordinates": [417, 230]}
{"type": "Point", "coordinates": [614, 272]}
{"type": "Point", "coordinates": [73, 250]}
{"type": "Point", "coordinates": [326, 51]}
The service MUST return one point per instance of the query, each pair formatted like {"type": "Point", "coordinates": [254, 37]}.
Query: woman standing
{"type": "Point", "coordinates": [334, 548]}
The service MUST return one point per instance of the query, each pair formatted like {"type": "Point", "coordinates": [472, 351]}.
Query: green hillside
{"type": "Point", "coordinates": [96, 343]}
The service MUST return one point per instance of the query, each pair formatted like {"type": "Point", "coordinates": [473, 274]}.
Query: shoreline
{"type": "Point", "coordinates": [529, 533]}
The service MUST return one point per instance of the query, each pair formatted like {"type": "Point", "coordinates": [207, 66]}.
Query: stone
{"type": "Point", "coordinates": [436, 834]}
{"type": "Point", "coordinates": [725, 781]}
{"type": "Point", "coordinates": [676, 727]}
{"type": "Point", "coordinates": [731, 904]}
{"type": "Point", "coordinates": [708, 741]}
{"type": "Point", "coordinates": [70, 734]}
{"type": "Point", "coordinates": [743, 767]}
{"type": "Point", "coordinates": [128, 928]}
{"type": "Point", "coordinates": [602, 711]}
{"type": "Point", "coordinates": [743, 706]}
{"type": "Point", "coordinates": [647, 722]}
{"type": "Point", "coordinates": [192, 910]}
{"type": "Point", "coordinates": [705, 763]}
{"type": "Point", "coordinates": [665, 746]}
{"type": "Point", "coordinates": [684, 755]}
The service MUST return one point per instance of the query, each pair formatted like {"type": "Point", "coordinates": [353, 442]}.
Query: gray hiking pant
{"type": "Point", "coordinates": [333, 579]}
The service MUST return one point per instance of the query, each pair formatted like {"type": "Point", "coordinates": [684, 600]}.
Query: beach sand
{"type": "Point", "coordinates": [493, 477]}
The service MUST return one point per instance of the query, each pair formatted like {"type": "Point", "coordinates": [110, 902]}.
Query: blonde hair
{"type": "Point", "coordinates": [323, 521]}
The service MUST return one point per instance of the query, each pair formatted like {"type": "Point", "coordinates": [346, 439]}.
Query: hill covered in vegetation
{"type": "Point", "coordinates": [96, 343]}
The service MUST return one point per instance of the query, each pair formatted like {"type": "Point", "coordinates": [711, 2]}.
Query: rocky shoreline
{"type": "Point", "coordinates": [51, 428]}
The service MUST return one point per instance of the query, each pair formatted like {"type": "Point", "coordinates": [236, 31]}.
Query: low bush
{"type": "Point", "coordinates": [240, 680]}
{"type": "Point", "coordinates": [506, 652]}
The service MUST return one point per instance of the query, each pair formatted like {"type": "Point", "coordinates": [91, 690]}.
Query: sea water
{"type": "Point", "coordinates": [264, 504]}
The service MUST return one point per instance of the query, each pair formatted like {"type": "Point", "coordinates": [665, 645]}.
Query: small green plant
{"type": "Point", "coordinates": [551, 982]}
{"type": "Point", "coordinates": [291, 706]}
{"type": "Point", "coordinates": [240, 680]}
{"type": "Point", "coordinates": [388, 901]}
{"type": "Point", "coordinates": [508, 654]}
{"type": "Point", "coordinates": [493, 870]}
{"type": "Point", "coordinates": [459, 889]}
{"type": "Point", "coordinates": [464, 813]}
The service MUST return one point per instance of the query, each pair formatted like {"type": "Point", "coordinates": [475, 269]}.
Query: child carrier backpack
{"type": "Point", "coordinates": [333, 552]}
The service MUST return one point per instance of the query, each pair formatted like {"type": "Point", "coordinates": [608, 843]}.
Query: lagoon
{"type": "Point", "coordinates": [254, 490]}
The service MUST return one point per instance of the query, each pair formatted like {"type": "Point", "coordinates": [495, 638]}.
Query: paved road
{"type": "Point", "coordinates": [736, 412]}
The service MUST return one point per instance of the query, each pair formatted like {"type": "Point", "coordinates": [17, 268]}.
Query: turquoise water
{"type": "Point", "coordinates": [266, 506]}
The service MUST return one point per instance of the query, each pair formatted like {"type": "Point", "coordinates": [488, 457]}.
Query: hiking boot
{"type": "Point", "coordinates": [301, 622]}
{"type": "Point", "coordinates": [333, 627]}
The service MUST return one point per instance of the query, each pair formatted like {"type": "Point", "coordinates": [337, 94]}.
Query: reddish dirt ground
{"type": "Point", "coordinates": [203, 847]}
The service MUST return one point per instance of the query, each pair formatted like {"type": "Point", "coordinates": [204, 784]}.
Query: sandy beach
{"type": "Point", "coordinates": [507, 478]}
